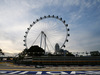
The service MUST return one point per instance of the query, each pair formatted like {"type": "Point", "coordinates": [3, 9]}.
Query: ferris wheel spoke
{"type": "Point", "coordinates": [35, 39]}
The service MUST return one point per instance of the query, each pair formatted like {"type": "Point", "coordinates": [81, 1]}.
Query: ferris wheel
{"type": "Point", "coordinates": [46, 32]}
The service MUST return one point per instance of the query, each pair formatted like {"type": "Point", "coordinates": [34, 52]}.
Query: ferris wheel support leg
{"type": "Point", "coordinates": [45, 41]}
{"type": "Point", "coordinates": [41, 40]}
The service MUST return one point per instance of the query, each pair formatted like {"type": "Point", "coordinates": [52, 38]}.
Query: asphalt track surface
{"type": "Point", "coordinates": [9, 68]}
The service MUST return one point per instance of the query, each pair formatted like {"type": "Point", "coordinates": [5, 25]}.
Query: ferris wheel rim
{"type": "Point", "coordinates": [41, 18]}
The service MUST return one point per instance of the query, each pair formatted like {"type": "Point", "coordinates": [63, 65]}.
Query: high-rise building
{"type": "Point", "coordinates": [57, 48]}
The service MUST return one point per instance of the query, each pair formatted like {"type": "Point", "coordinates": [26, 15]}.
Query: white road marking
{"type": "Point", "coordinates": [14, 72]}
{"type": "Point", "coordinates": [73, 72]}
{"type": "Point", "coordinates": [50, 72]}
{"type": "Point", "coordinates": [3, 71]}
{"type": "Point", "coordinates": [24, 72]}
{"type": "Point", "coordinates": [39, 72]}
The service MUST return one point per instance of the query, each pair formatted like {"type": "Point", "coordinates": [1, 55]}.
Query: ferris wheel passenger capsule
{"type": "Point", "coordinates": [68, 29]}
{"type": "Point", "coordinates": [26, 32]}
{"type": "Point", "coordinates": [24, 44]}
{"type": "Point", "coordinates": [57, 17]}
{"type": "Point", "coordinates": [53, 16]}
{"type": "Point", "coordinates": [25, 36]}
{"type": "Point", "coordinates": [64, 21]}
{"type": "Point", "coordinates": [31, 25]}
{"type": "Point", "coordinates": [68, 34]}
{"type": "Point", "coordinates": [66, 40]}
{"type": "Point", "coordinates": [64, 46]}
{"type": "Point", "coordinates": [24, 40]}
{"type": "Point", "coordinates": [37, 20]}
{"type": "Point", "coordinates": [28, 28]}
{"type": "Point", "coordinates": [66, 25]}
{"type": "Point", "coordinates": [33, 22]}
{"type": "Point", "coordinates": [61, 19]}
{"type": "Point", "coordinates": [44, 16]}
{"type": "Point", "coordinates": [41, 18]}
{"type": "Point", "coordinates": [48, 15]}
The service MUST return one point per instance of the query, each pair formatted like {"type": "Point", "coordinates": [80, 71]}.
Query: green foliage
{"type": "Point", "coordinates": [35, 51]}
{"type": "Point", "coordinates": [69, 54]}
{"type": "Point", "coordinates": [95, 53]}
{"type": "Point", "coordinates": [1, 53]}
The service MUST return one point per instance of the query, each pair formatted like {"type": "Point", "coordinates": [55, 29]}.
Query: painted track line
{"type": "Point", "coordinates": [51, 72]}
{"type": "Point", "coordinates": [24, 72]}
{"type": "Point", "coordinates": [14, 72]}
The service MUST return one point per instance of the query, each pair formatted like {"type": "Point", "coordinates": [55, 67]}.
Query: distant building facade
{"type": "Point", "coordinates": [59, 51]}
{"type": "Point", "coordinates": [57, 48]}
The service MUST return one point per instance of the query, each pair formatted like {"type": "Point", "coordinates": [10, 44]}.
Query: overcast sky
{"type": "Point", "coordinates": [83, 17]}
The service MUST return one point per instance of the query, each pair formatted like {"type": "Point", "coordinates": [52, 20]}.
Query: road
{"type": "Point", "coordinates": [9, 68]}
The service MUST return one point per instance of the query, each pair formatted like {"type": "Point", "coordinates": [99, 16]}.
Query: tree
{"type": "Point", "coordinates": [35, 51]}
{"type": "Point", "coordinates": [95, 53]}
{"type": "Point", "coordinates": [1, 53]}
{"type": "Point", "coordinates": [50, 54]}
{"type": "Point", "coordinates": [69, 54]}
